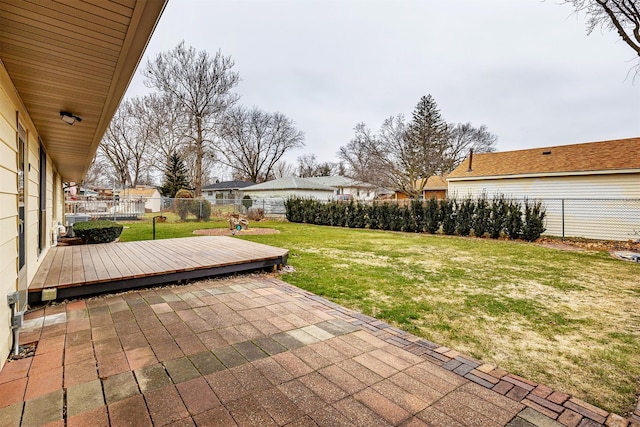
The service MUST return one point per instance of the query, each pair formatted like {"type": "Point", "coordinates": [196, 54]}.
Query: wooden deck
{"type": "Point", "coordinates": [92, 269]}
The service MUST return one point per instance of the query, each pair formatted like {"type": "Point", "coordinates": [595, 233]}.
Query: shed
{"type": "Point", "coordinates": [151, 196]}
{"type": "Point", "coordinates": [435, 187]}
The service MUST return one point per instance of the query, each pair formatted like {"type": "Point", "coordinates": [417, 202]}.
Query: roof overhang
{"type": "Point", "coordinates": [77, 57]}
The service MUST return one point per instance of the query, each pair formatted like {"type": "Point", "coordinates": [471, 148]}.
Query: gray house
{"type": "Point", "coordinates": [226, 190]}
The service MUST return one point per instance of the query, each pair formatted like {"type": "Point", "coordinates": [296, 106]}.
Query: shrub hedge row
{"type": "Point", "coordinates": [480, 217]}
{"type": "Point", "coordinates": [102, 231]}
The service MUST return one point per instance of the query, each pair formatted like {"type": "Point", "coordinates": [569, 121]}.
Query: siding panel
{"type": "Point", "coordinates": [622, 186]}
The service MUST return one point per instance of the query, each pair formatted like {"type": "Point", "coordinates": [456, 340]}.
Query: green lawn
{"type": "Point", "coordinates": [565, 319]}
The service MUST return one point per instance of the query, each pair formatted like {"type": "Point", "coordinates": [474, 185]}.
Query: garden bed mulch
{"type": "Point", "coordinates": [227, 232]}
{"type": "Point", "coordinates": [617, 249]}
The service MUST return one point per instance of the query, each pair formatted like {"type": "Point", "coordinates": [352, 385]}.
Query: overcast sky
{"type": "Point", "coordinates": [524, 68]}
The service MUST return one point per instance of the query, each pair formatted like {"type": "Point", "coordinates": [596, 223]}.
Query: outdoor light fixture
{"type": "Point", "coordinates": [69, 118]}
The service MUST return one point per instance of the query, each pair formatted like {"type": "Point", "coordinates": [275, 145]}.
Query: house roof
{"type": "Point", "coordinates": [435, 182]}
{"type": "Point", "coordinates": [289, 183]}
{"type": "Point", "coordinates": [614, 155]}
{"type": "Point", "coordinates": [139, 192]}
{"type": "Point", "coordinates": [77, 57]}
{"type": "Point", "coordinates": [340, 181]}
{"type": "Point", "coordinates": [227, 185]}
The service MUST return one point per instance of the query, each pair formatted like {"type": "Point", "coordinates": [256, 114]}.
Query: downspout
{"type": "Point", "coordinates": [16, 321]}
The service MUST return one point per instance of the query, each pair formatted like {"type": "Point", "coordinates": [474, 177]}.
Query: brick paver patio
{"type": "Point", "coordinates": [254, 350]}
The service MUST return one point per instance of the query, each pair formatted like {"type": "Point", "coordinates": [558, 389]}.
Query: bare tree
{"type": "Point", "coordinates": [99, 173]}
{"type": "Point", "coordinates": [201, 86]}
{"type": "Point", "coordinates": [404, 155]}
{"type": "Point", "coordinates": [165, 128]}
{"type": "Point", "coordinates": [356, 156]}
{"type": "Point", "coordinates": [308, 166]}
{"type": "Point", "coordinates": [125, 145]}
{"type": "Point", "coordinates": [208, 165]}
{"type": "Point", "coordinates": [622, 16]}
{"type": "Point", "coordinates": [396, 160]}
{"type": "Point", "coordinates": [252, 142]}
{"type": "Point", "coordinates": [464, 137]}
{"type": "Point", "coordinates": [283, 169]}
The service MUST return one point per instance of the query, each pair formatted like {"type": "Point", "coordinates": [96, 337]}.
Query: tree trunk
{"type": "Point", "coordinates": [197, 182]}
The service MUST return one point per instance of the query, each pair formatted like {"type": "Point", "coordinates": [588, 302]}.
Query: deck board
{"type": "Point", "coordinates": [78, 268]}
{"type": "Point", "coordinates": [53, 277]}
{"type": "Point", "coordinates": [98, 263]}
{"type": "Point", "coordinates": [90, 269]}
{"type": "Point", "coordinates": [66, 271]}
{"type": "Point", "coordinates": [134, 268]}
{"type": "Point", "coordinates": [135, 260]}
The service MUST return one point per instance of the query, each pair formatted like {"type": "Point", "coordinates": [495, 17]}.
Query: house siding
{"type": "Point", "coordinates": [618, 186]}
{"type": "Point", "coordinates": [285, 194]}
{"type": "Point", "coordinates": [595, 206]}
{"type": "Point", "coordinates": [8, 209]}
{"type": "Point", "coordinates": [10, 103]}
{"type": "Point", "coordinates": [357, 193]}
{"type": "Point", "coordinates": [272, 201]}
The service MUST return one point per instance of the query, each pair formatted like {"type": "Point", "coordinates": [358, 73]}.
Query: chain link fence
{"type": "Point", "coordinates": [272, 207]}
{"type": "Point", "coordinates": [602, 219]}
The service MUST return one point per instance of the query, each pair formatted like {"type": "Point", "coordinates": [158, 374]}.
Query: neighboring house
{"type": "Point", "coordinates": [348, 187]}
{"type": "Point", "coordinates": [284, 188]}
{"type": "Point", "coordinates": [73, 192]}
{"type": "Point", "coordinates": [151, 196]}
{"type": "Point", "coordinates": [271, 195]}
{"type": "Point", "coordinates": [435, 187]}
{"type": "Point", "coordinates": [596, 170]}
{"type": "Point", "coordinates": [59, 63]}
{"type": "Point", "coordinates": [227, 190]}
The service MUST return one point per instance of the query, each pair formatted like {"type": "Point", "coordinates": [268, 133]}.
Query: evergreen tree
{"type": "Point", "coordinates": [448, 213]}
{"type": "Point", "coordinates": [175, 177]}
{"type": "Point", "coordinates": [464, 219]}
{"type": "Point", "coordinates": [432, 216]}
{"type": "Point", "coordinates": [417, 208]}
{"type": "Point", "coordinates": [427, 140]}
{"type": "Point", "coordinates": [482, 216]}
{"type": "Point", "coordinates": [498, 216]}
{"type": "Point", "coordinates": [513, 224]}
{"type": "Point", "coordinates": [427, 125]}
{"type": "Point", "coordinates": [534, 214]}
